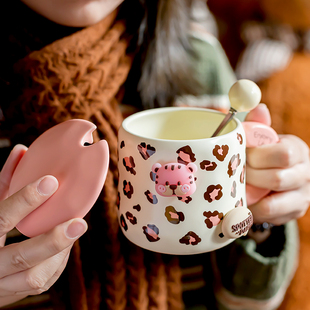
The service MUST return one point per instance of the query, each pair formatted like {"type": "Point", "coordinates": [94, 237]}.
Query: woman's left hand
{"type": "Point", "coordinates": [283, 168]}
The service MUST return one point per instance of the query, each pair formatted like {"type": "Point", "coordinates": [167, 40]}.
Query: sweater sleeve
{"type": "Point", "coordinates": [254, 277]}
{"type": "Point", "coordinates": [213, 71]}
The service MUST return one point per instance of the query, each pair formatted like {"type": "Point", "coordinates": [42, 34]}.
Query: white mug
{"type": "Point", "coordinates": [182, 192]}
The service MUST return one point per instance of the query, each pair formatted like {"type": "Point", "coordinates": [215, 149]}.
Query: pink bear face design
{"type": "Point", "coordinates": [175, 179]}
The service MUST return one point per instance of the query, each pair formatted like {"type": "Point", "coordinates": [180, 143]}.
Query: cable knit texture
{"type": "Point", "coordinates": [81, 76]}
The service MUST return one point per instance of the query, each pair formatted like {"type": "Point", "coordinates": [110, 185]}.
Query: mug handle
{"type": "Point", "coordinates": [258, 134]}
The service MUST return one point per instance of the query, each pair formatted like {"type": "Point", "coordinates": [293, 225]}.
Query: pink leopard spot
{"type": "Point", "coordinates": [146, 150]}
{"type": "Point", "coordinates": [233, 191]}
{"type": "Point", "coordinates": [239, 203]}
{"type": "Point", "coordinates": [186, 155]}
{"type": "Point", "coordinates": [190, 239]}
{"type": "Point", "coordinates": [233, 164]}
{"type": "Point", "coordinates": [129, 164]}
{"type": "Point", "coordinates": [174, 215]}
{"type": "Point", "coordinates": [213, 218]}
{"type": "Point", "coordinates": [242, 175]}
{"type": "Point", "coordinates": [127, 189]}
{"type": "Point", "coordinates": [214, 194]}
{"type": "Point", "coordinates": [151, 232]}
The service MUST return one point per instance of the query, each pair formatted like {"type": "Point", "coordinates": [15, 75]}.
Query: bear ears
{"type": "Point", "coordinates": [155, 167]}
{"type": "Point", "coordinates": [191, 167]}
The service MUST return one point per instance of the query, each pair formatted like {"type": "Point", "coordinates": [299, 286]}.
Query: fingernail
{"type": "Point", "coordinates": [263, 106]}
{"type": "Point", "coordinates": [76, 228]}
{"type": "Point", "coordinates": [47, 185]}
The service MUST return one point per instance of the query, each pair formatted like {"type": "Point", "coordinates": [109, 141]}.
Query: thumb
{"type": "Point", "coordinates": [260, 114]}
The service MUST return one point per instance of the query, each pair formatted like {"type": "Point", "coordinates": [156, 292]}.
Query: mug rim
{"type": "Point", "coordinates": [139, 114]}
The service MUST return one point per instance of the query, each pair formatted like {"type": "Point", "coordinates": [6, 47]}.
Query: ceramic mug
{"type": "Point", "coordinates": [180, 191]}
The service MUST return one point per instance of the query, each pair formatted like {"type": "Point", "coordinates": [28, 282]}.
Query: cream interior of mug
{"type": "Point", "coordinates": [176, 123]}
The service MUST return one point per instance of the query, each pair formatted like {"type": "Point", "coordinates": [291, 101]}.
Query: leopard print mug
{"type": "Point", "coordinates": [180, 191]}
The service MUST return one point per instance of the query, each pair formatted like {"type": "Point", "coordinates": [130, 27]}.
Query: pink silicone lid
{"type": "Point", "coordinates": [80, 170]}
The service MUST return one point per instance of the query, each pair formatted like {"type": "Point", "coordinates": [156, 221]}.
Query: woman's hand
{"type": "Point", "coordinates": [32, 266]}
{"type": "Point", "coordinates": [284, 169]}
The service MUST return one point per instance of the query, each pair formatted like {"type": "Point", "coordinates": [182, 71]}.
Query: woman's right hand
{"type": "Point", "coordinates": [284, 169]}
{"type": "Point", "coordinates": [32, 266]}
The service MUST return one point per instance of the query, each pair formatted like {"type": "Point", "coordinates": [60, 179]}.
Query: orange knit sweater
{"type": "Point", "coordinates": [81, 76]}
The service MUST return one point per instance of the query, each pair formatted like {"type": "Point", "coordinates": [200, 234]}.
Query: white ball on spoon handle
{"type": "Point", "coordinates": [244, 96]}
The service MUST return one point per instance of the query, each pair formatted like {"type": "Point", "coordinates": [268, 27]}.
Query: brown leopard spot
{"type": "Point", "coordinates": [146, 151]}
{"type": "Point", "coordinates": [118, 199]}
{"type": "Point", "coordinates": [186, 199]}
{"type": "Point", "coordinates": [239, 203]}
{"type": "Point", "coordinates": [127, 189]}
{"type": "Point", "coordinates": [186, 155]}
{"type": "Point", "coordinates": [212, 218]}
{"type": "Point", "coordinates": [123, 222]}
{"type": "Point", "coordinates": [190, 238]}
{"type": "Point", "coordinates": [153, 176]}
{"type": "Point", "coordinates": [122, 144]}
{"type": "Point", "coordinates": [173, 216]}
{"type": "Point", "coordinates": [131, 218]}
{"type": "Point", "coordinates": [208, 165]}
{"type": "Point", "coordinates": [233, 191]}
{"type": "Point", "coordinates": [214, 192]}
{"type": "Point", "coordinates": [129, 164]}
{"type": "Point", "coordinates": [242, 174]}
{"type": "Point", "coordinates": [137, 207]}
{"type": "Point", "coordinates": [151, 232]}
{"type": "Point", "coordinates": [150, 197]}
{"type": "Point", "coordinates": [220, 152]}
{"type": "Point", "coordinates": [233, 164]}
{"type": "Point", "coordinates": [239, 138]}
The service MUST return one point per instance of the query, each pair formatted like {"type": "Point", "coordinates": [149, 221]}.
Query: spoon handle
{"type": "Point", "coordinates": [226, 119]}
{"type": "Point", "coordinates": [244, 96]}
